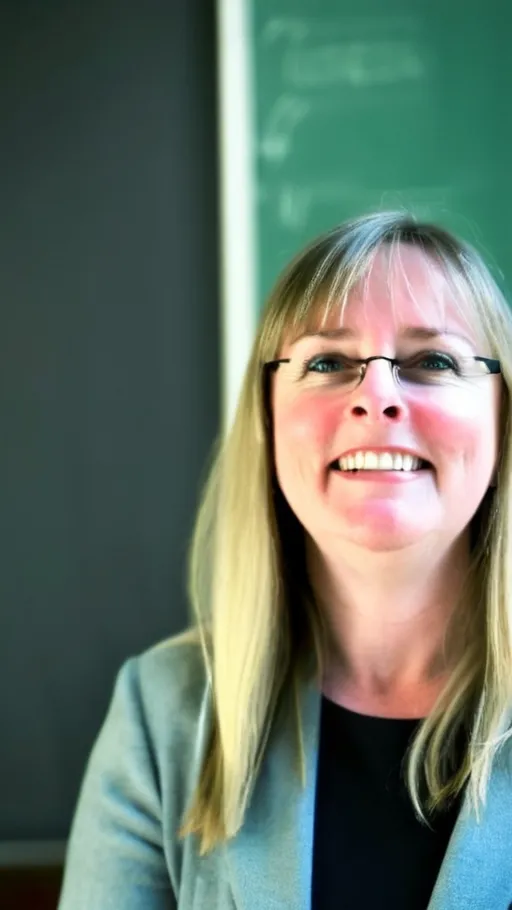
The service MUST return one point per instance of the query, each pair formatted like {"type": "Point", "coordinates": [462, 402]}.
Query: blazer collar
{"type": "Point", "coordinates": [476, 873]}
{"type": "Point", "coordinates": [270, 859]}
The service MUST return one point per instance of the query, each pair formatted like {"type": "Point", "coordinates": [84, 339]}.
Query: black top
{"type": "Point", "coordinates": [370, 851]}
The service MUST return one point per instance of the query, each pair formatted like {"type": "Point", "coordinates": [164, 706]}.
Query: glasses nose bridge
{"type": "Point", "coordinates": [382, 395]}
{"type": "Point", "coordinates": [364, 362]}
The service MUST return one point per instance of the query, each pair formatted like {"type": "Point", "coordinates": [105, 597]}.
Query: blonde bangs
{"type": "Point", "coordinates": [320, 280]}
{"type": "Point", "coordinates": [315, 284]}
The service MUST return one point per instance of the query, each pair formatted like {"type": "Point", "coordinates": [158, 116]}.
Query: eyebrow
{"type": "Point", "coordinates": [412, 332]}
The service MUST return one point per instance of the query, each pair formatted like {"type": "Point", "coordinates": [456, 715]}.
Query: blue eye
{"type": "Point", "coordinates": [429, 368]}
{"type": "Point", "coordinates": [327, 363]}
{"type": "Point", "coordinates": [435, 361]}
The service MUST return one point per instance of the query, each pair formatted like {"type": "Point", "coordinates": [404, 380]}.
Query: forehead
{"type": "Point", "coordinates": [404, 288]}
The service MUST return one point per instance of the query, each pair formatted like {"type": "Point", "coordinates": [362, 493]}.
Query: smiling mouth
{"type": "Point", "coordinates": [376, 461]}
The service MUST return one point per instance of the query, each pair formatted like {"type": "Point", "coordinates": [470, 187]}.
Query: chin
{"type": "Point", "coordinates": [385, 531]}
{"type": "Point", "coordinates": [379, 542]}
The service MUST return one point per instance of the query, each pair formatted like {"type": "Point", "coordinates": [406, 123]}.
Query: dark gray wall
{"type": "Point", "coordinates": [109, 358]}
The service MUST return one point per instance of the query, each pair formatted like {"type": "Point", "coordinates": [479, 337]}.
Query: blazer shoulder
{"type": "Point", "coordinates": [170, 682]}
{"type": "Point", "coordinates": [177, 661]}
{"type": "Point", "coordinates": [140, 775]}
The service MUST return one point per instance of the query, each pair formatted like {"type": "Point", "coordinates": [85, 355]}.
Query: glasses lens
{"type": "Point", "coordinates": [439, 368]}
{"type": "Point", "coordinates": [326, 369]}
{"type": "Point", "coordinates": [426, 368]}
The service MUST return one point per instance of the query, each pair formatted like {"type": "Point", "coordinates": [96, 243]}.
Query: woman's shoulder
{"type": "Point", "coordinates": [140, 775]}
{"type": "Point", "coordinates": [177, 660]}
{"type": "Point", "coordinates": [166, 688]}
{"type": "Point", "coordinates": [171, 680]}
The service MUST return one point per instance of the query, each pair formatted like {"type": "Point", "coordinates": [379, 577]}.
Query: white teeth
{"type": "Point", "coordinates": [386, 462]}
{"type": "Point", "coordinates": [407, 462]}
{"type": "Point", "coordinates": [379, 461]}
{"type": "Point", "coordinates": [371, 461]}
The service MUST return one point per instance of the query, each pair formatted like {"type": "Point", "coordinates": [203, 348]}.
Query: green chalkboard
{"type": "Point", "coordinates": [366, 104]}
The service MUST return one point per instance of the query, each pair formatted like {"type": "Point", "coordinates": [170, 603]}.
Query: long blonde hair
{"type": "Point", "coordinates": [258, 622]}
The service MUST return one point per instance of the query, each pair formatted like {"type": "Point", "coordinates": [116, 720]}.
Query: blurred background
{"type": "Point", "coordinates": [160, 162]}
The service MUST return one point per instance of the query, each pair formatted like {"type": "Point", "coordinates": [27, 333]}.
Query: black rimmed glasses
{"type": "Point", "coordinates": [426, 368]}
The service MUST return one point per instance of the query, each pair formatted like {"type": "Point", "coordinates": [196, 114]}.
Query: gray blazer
{"type": "Point", "coordinates": [123, 851]}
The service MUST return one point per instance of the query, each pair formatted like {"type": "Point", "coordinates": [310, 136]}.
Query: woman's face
{"type": "Point", "coordinates": [450, 423]}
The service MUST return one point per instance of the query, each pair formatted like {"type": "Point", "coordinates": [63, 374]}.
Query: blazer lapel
{"type": "Point", "coordinates": [476, 873]}
{"type": "Point", "coordinates": [269, 863]}
{"type": "Point", "coordinates": [270, 860]}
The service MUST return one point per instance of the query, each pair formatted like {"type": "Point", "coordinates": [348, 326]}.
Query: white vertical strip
{"type": "Point", "coordinates": [237, 198]}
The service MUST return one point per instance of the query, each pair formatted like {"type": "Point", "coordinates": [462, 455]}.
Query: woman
{"type": "Point", "coordinates": [335, 732]}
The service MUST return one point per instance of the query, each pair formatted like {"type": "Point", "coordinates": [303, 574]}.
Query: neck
{"type": "Point", "coordinates": [386, 618]}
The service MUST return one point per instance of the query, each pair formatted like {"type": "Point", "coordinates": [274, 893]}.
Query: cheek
{"type": "Point", "coordinates": [311, 422]}
{"type": "Point", "coordinates": [462, 431]}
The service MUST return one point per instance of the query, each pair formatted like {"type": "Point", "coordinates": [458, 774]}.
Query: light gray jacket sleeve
{"type": "Point", "coordinates": [115, 858]}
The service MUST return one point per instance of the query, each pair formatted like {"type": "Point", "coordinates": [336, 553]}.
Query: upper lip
{"type": "Point", "coordinates": [394, 450]}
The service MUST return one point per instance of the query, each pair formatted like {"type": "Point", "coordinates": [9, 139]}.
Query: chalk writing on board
{"type": "Point", "coordinates": [277, 135]}
{"type": "Point", "coordinates": [356, 64]}
{"type": "Point", "coordinates": [353, 53]}
{"type": "Point", "coordinates": [289, 29]}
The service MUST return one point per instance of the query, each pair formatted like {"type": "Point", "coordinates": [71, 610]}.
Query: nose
{"type": "Point", "coordinates": [378, 395]}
